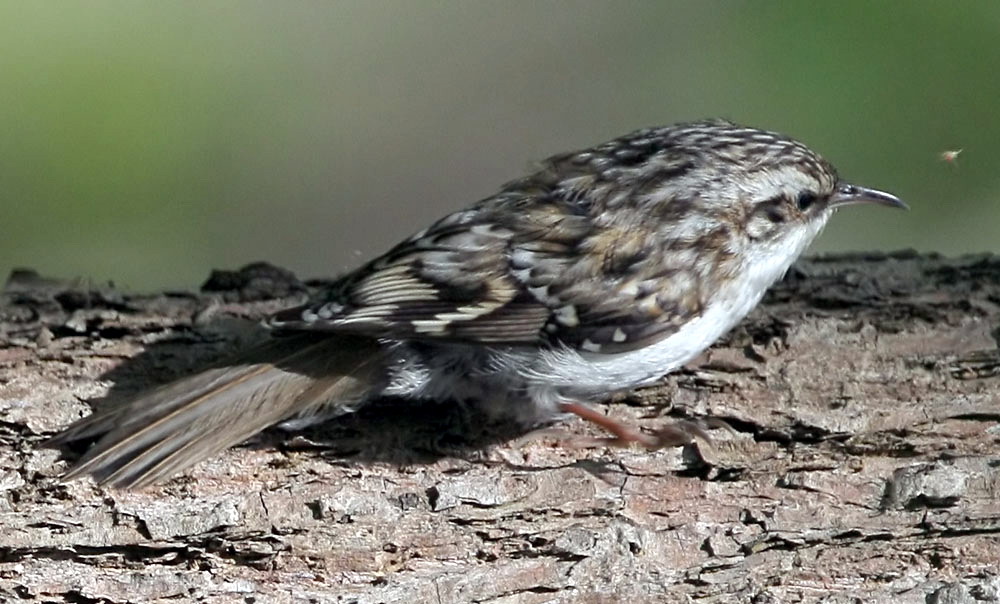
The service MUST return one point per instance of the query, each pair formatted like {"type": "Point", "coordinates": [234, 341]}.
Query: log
{"type": "Point", "coordinates": [859, 464]}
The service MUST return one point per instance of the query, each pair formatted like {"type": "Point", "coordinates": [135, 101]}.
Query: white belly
{"type": "Point", "coordinates": [575, 371]}
{"type": "Point", "coordinates": [530, 382]}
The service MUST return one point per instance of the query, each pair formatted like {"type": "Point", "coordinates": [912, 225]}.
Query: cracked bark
{"type": "Point", "coordinates": [861, 464]}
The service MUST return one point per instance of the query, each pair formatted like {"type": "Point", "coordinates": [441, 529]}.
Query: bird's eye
{"type": "Point", "coordinates": [805, 200]}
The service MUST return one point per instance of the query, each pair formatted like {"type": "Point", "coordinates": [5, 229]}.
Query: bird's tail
{"type": "Point", "coordinates": [171, 428]}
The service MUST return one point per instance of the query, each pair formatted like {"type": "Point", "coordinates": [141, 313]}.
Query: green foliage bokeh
{"type": "Point", "coordinates": [146, 143]}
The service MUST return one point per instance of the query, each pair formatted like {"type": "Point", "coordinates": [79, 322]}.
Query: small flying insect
{"type": "Point", "coordinates": [950, 157]}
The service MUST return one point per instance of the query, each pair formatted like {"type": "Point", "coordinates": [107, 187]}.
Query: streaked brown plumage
{"type": "Point", "coordinates": [603, 270]}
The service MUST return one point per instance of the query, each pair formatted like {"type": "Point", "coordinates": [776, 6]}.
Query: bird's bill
{"type": "Point", "coordinates": [847, 194]}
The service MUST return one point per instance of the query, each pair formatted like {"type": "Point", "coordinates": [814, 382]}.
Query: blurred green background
{"type": "Point", "coordinates": [147, 143]}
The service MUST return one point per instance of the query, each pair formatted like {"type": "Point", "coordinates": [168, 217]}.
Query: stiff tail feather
{"type": "Point", "coordinates": [169, 429]}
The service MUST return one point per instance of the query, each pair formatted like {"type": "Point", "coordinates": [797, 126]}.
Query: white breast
{"type": "Point", "coordinates": [568, 371]}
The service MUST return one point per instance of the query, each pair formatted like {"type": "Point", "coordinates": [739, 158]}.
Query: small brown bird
{"type": "Point", "coordinates": [603, 270]}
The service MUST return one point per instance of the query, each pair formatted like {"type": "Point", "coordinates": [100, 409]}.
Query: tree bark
{"type": "Point", "coordinates": [859, 463]}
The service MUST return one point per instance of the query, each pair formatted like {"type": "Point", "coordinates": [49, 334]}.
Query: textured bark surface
{"type": "Point", "coordinates": [862, 464]}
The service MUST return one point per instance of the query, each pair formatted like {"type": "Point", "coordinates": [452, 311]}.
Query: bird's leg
{"type": "Point", "coordinates": [671, 435]}
{"type": "Point", "coordinates": [623, 435]}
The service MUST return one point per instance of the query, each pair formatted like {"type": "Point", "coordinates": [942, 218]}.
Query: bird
{"type": "Point", "coordinates": [600, 271]}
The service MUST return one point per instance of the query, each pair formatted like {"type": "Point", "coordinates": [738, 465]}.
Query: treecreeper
{"type": "Point", "coordinates": [601, 271]}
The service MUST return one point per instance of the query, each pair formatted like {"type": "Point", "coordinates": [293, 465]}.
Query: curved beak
{"type": "Point", "coordinates": [847, 194]}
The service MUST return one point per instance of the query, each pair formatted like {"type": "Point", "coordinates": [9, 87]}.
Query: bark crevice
{"type": "Point", "coordinates": [860, 463]}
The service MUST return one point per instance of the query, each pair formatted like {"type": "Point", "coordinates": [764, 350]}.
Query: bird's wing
{"type": "Point", "coordinates": [528, 267]}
